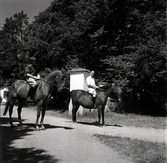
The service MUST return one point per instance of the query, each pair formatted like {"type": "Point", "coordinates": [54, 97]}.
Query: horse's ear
{"type": "Point", "coordinates": [113, 84]}
{"type": "Point", "coordinates": [64, 70]}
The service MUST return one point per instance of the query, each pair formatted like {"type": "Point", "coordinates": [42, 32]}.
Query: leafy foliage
{"type": "Point", "coordinates": [123, 41]}
{"type": "Point", "coordinates": [13, 43]}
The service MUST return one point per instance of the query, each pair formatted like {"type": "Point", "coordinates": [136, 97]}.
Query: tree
{"type": "Point", "coordinates": [151, 60]}
{"type": "Point", "coordinates": [123, 41]}
{"type": "Point", "coordinates": [13, 44]}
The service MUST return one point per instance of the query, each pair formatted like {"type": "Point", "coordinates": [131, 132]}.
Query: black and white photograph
{"type": "Point", "coordinates": [83, 81]}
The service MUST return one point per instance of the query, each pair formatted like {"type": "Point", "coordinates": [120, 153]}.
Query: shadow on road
{"type": "Point", "coordinates": [48, 126]}
{"type": "Point", "coordinates": [11, 154]}
{"type": "Point", "coordinates": [97, 124]}
{"type": "Point", "coordinates": [31, 125]}
{"type": "Point", "coordinates": [6, 120]}
{"type": "Point", "coordinates": [89, 123]}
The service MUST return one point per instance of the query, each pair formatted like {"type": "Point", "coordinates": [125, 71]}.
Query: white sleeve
{"type": "Point", "coordinates": [87, 80]}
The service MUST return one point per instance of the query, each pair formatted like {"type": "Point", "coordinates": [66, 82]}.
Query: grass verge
{"type": "Point", "coordinates": [112, 119]}
{"type": "Point", "coordinates": [137, 150]}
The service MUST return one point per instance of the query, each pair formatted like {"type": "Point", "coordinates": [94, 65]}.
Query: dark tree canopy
{"type": "Point", "coordinates": [123, 41]}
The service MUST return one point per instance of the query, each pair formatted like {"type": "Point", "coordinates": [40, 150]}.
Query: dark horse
{"type": "Point", "coordinates": [83, 98]}
{"type": "Point", "coordinates": [19, 90]}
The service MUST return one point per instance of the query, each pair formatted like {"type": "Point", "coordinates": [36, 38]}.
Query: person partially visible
{"type": "Point", "coordinates": [91, 86]}
{"type": "Point", "coordinates": [31, 76]}
{"type": "Point", "coordinates": [0, 99]}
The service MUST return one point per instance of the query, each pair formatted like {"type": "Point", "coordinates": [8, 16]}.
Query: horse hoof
{"type": "Point", "coordinates": [42, 128]}
{"type": "Point", "coordinates": [37, 129]}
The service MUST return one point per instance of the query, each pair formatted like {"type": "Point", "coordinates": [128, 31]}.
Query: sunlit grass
{"type": "Point", "coordinates": [112, 118]}
{"type": "Point", "coordinates": [138, 151]}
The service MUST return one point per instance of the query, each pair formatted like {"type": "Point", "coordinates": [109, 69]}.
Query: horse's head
{"type": "Point", "coordinates": [115, 92]}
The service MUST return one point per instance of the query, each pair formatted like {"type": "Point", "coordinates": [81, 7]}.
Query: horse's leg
{"type": "Point", "coordinates": [39, 105]}
{"type": "Point", "coordinates": [43, 115]}
{"type": "Point", "coordinates": [74, 111]}
{"type": "Point", "coordinates": [10, 112]}
{"type": "Point", "coordinates": [99, 114]}
{"type": "Point", "coordinates": [42, 119]}
{"type": "Point", "coordinates": [102, 111]}
{"type": "Point", "coordinates": [19, 109]}
{"type": "Point", "coordinates": [6, 107]}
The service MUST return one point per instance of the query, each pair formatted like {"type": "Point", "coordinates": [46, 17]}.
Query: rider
{"type": "Point", "coordinates": [31, 78]}
{"type": "Point", "coordinates": [91, 86]}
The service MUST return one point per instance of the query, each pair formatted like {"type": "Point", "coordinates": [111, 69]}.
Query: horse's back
{"type": "Point", "coordinates": [17, 87]}
{"type": "Point", "coordinates": [78, 92]}
{"type": "Point", "coordinates": [18, 84]}
{"type": "Point", "coordinates": [82, 97]}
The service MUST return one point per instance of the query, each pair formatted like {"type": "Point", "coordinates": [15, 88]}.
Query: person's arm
{"type": "Point", "coordinates": [93, 86]}
{"type": "Point", "coordinates": [34, 77]}
{"type": "Point", "coordinates": [89, 84]}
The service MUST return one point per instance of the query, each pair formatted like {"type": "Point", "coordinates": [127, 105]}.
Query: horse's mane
{"type": "Point", "coordinates": [47, 77]}
{"type": "Point", "coordinates": [114, 88]}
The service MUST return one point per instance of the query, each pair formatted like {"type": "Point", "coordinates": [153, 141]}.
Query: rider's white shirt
{"type": "Point", "coordinates": [90, 81]}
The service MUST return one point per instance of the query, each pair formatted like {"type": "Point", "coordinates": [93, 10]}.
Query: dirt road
{"type": "Point", "coordinates": [63, 141]}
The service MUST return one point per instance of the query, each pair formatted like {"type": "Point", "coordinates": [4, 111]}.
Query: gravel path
{"type": "Point", "coordinates": [63, 141]}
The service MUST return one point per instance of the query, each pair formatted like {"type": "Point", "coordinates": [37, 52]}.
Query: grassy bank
{"type": "Point", "coordinates": [112, 118]}
{"type": "Point", "coordinates": [136, 150]}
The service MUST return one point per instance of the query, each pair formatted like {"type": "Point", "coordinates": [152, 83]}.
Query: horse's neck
{"type": "Point", "coordinates": [51, 77]}
{"type": "Point", "coordinates": [107, 93]}
{"type": "Point", "coordinates": [104, 94]}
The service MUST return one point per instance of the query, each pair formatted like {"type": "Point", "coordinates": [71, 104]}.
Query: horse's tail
{"type": "Point", "coordinates": [67, 103]}
{"type": "Point", "coordinates": [0, 99]}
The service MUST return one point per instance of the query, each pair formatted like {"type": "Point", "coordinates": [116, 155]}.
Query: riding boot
{"type": "Point", "coordinates": [32, 93]}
